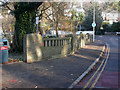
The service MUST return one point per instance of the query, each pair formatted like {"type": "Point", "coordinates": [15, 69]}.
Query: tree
{"type": "Point", "coordinates": [106, 27]}
{"type": "Point", "coordinates": [89, 18]}
{"type": "Point", "coordinates": [73, 21]}
{"type": "Point", "coordinates": [41, 13]}
{"type": "Point", "coordinates": [55, 14]}
{"type": "Point", "coordinates": [119, 6]}
{"type": "Point", "coordinates": [25, 14]}
{"type": "Point", "coordinates": [110, 6]}
{"type": "Point", "coordinates": [80, 19]}
{"type": "Point", "coordinates": [7, 19]}
{"type": "Point", "coordinates": [114, 25]}
{"type": "Point", "coordinates": [8, 24]}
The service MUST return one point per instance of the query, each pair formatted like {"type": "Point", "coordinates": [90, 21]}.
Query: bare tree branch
{"type": "Point", "coordinates": [5, 4]}
{"type": "Point", "coordinates": [47, 16]}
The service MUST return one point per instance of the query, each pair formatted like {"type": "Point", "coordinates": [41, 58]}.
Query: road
{"type": "Point", "coordinates": [110, 76]}
{"type": "Point", "coordinates": [107, 71]}
{"type": "Point", "coordinates": [61, 73]}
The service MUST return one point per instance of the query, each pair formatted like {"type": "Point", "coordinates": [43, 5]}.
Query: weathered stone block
{"type": "Point", "coordinates": [35, 50]}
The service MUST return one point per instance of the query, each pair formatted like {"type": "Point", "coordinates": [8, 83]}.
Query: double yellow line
{"type": "Point", "coordinates": [103, 62]}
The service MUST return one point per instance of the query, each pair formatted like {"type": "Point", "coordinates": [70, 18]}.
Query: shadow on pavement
{"type": "Point", "coordinates": [57, 73]}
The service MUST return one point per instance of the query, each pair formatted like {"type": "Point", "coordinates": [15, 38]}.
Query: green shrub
{"type": "Point", "coordinates": [115, 27]}
{"type": "Point", "coordinates": [107, 27]}
{"type": "Point", "coordinates": [103, 23]}
{"type": "Point", "coordinates": [49, 37]}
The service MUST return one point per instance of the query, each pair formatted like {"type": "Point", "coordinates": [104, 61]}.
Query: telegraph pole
{"type": "Point", "coordinates": [94, 24]}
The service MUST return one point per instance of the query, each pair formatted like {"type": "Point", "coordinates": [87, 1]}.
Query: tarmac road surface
{"type": "Point", "coordinates": [57, 73]}
{"type": "Point", "coordinates": [110, 76]}
{"type": "Point", "coordinates": [106, 74]}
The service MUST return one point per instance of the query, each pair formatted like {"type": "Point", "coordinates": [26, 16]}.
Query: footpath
{"type": "Point", "coordinates": [57, 73]}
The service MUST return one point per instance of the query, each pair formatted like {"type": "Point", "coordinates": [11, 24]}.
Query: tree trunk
{"type": "Point", "coordinates": [25, 24]}
{"type": "Point", "coordinates": [25, 13]}
{"type": "Point", "coordinates": [57, 28]}
{"type": "Point", "coordinates": [56, 25]}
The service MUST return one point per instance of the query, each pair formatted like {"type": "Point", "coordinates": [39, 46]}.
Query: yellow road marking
{"type": "Point", "coordinates": [100, 72]}
{"type": "Point", "coordinates": [86, 85]}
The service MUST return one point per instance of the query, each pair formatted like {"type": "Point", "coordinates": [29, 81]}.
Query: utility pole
{"type": "Point", "coordinates": [94, 21]}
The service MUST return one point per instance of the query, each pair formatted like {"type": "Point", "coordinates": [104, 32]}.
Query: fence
{"type": "Point", "coordinates": [37, 48]}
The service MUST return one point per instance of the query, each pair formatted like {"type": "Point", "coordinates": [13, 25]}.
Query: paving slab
{"type": "Point", "coordinates": [56, 73]}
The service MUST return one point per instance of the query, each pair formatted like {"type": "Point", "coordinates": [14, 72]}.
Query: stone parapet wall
{"type": "Point", "coordinates": [37, 48]}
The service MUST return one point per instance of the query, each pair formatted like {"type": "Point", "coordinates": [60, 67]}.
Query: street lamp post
{"type": "Point", "coordinates": [94, 21]}
{"type": "Point", "coordinates": [37, 21]}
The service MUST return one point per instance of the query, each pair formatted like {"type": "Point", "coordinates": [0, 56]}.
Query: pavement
{"type": "Point", "coordinates": [56, 73]}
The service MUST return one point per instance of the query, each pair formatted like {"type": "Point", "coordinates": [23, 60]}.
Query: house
{"type": "Point", "coordinates": [110, 16]}
{"type": "Point", "coordinates": [78, 7]}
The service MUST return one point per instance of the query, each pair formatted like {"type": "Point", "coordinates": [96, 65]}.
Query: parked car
{"type": "Point", "coordinates": [84, 32]}
{"type": "Point", "coordinates": [117, 33]}
{"type": "Point", "coordinates": [48, 36]}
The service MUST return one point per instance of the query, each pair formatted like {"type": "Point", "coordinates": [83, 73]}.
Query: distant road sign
{"type": "Point", "coordinates": [93, 24]}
